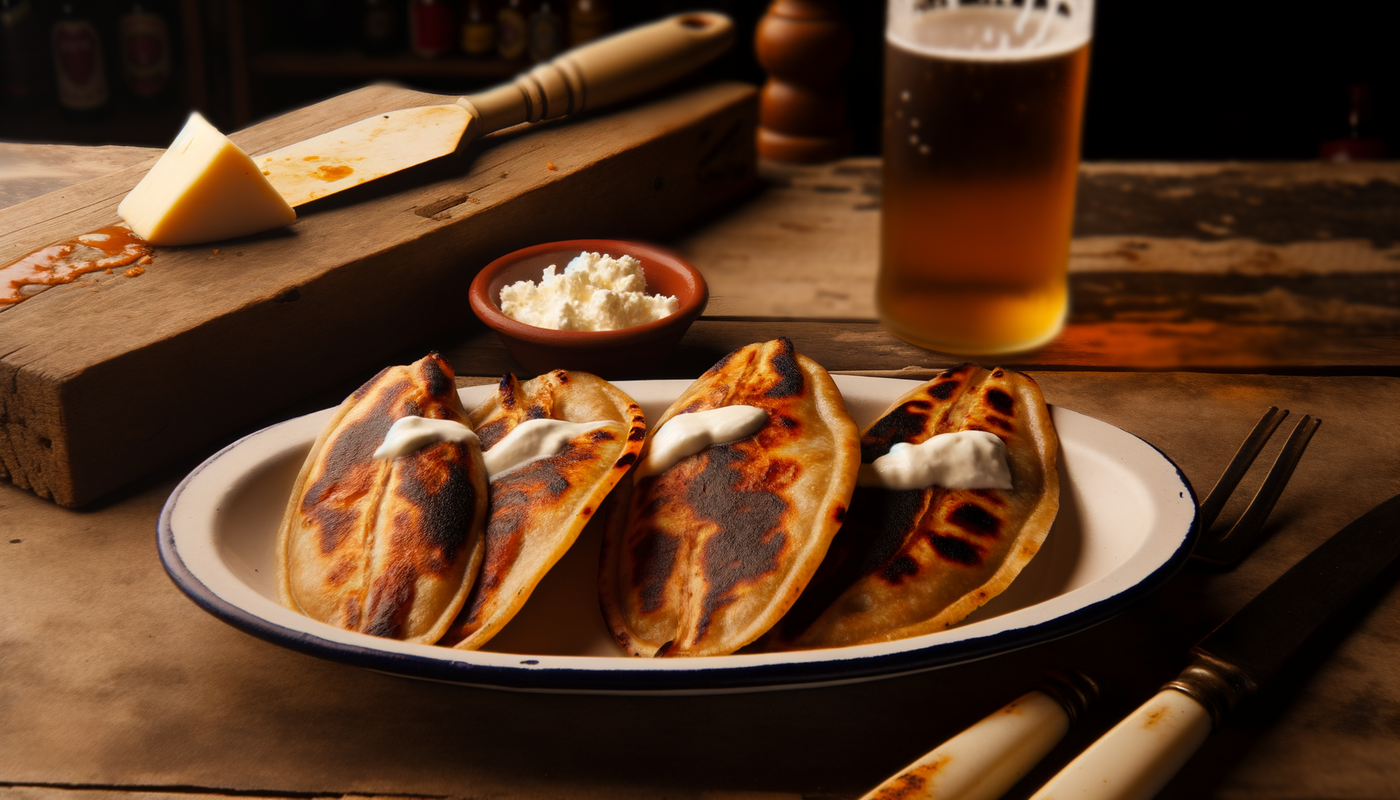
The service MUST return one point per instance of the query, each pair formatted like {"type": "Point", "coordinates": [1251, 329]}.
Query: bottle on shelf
{"type": "Point", "coordinates": [380, 27]}
{"type": "Point", "coordinates": [478, 29]}
{"type": "Point", "coordinates": [546, 32]}
{"type": "Point", "coordinates": [80, 61]}
{"type": "Point", "coordinates": [431, 29]}
{"type": "Point", "coordinates": [512, 35]}
{"type": "Point", "coordinates": [589, 20]}
{"type": "Point", "coordinates": [1361, 143]}
{"type": "Point", "coordinates": [144, 41]}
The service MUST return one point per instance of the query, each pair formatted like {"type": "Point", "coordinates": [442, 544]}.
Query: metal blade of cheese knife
{"type": "Point", "coordinates": [619, 67]}
{"type": "Point", "coordinates": [1137, 758]}
{"type": "Point", "coordinates": [371, 148]}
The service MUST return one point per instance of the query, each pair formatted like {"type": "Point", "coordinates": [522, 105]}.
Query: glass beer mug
{"type": "Point", "coordinates": [982, 112]}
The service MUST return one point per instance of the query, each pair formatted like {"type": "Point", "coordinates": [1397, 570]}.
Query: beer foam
{"type": "Point", "coordinates": [990, 33]}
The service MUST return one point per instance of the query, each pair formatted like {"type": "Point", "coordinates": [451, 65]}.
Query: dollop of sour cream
{"type": "Point", "coordinates": [687, 434]}
{"type": "Point", "coordinates": [533, 440]}
{"type": "Point", "coordinates": [961, 460]}
{"type": "Point", "coordinates": [595, 293]}
{"type": "Point", "coordinates": [411, 434]}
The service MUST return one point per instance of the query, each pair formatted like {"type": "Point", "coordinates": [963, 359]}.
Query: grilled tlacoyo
{"type": "Point", "coordinates": [913, 562]}
{"type": "Point", "coordinates": [539, 509]}
{"type": "Point", "coordinates": [706, 555]}
{"type": "Point", "coordinates": [387, 547]}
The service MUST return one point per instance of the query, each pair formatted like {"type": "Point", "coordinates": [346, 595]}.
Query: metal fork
{"type": "Point", "coordinates": [1226, 548]}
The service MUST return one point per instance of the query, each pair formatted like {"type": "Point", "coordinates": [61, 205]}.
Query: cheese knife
{"type": "Point", "coordinates": [613, 69]}
{"type": "Point", "coordinates": [1135, 759]}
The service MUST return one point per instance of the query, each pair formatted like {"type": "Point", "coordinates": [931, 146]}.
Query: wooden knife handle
{"type": "Point", "coordinates": [987, 759]}
{"type": "Point", "coordinates": [1137, 758]}
{"type": "Point", "coordinates": [618, 67]}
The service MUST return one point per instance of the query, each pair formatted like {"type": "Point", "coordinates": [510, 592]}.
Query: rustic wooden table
{"type": "Point", "coordinates": [1202, 294]}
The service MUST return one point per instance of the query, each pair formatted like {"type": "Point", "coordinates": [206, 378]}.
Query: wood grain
{"type": "Point", "coordinates": [30, 170]}
{"type": "Point", "coordinates": [808, 245]}
{"type": "Point", "coordinates": [104, 379]}
{"type": "Point", "coordinates": [864, 347]}
{"type": "Point", "coordinates": [1276, 267]}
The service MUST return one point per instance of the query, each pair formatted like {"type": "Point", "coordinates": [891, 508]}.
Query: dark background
{"type": "Point", "coordinates": [1192, 80]}
{"type": "Point", "coordinates": [1201, 80]}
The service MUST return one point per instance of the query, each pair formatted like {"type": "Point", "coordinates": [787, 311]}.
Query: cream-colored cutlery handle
{"type": "Point", "coordinates": [1137, 758]}
{"type": "Point", "coordinates": [618, 67]}
{"type": "Point", "coordinates": [987, 759]}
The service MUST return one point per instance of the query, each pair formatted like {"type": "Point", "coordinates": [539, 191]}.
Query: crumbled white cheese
{"type": "Point", "coordinates": [595, 293]}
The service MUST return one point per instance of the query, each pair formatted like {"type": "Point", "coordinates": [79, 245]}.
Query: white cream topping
{"type": "Point", "coordinates": [961, 460]}
{"type": "Point", "coordinates": [595, 293]}
{"type": "Point", "coordinates": [687, 434]}
{"type": "Point", "coordinates": [533, 440]}
{"type": "Point", "coordinates": [411, 434]}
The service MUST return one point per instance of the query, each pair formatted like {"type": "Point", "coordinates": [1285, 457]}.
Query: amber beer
{"type": "Point", "coordinates": [981, 147]}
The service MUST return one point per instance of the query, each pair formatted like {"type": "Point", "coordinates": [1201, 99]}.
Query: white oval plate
{"type": "Point", "coordinates": [1127, 522]}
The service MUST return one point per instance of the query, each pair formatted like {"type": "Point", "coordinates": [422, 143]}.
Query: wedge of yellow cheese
{"type": "Point", "coordinates": [204, 189]}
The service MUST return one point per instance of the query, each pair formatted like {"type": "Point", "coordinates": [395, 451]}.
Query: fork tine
{"type": "Point", "coordinates": [1233, 544]}
{"type": "Point", "coordinates": [1239, 465]}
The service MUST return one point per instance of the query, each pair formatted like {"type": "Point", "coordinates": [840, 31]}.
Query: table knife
{"type": "Point", "coordinates": [1135, 759]}
{"type": "Point", "coordinates": [622, 66]}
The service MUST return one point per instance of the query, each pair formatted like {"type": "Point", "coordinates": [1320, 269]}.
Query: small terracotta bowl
{"type": "Point", "coordinates": [610, 354]}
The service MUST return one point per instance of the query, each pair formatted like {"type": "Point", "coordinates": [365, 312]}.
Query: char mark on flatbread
{"type": "Point", "coordinates": [385, 547]}
{"type": "Point", "coordinates": [705, 555]}
{"type": "Point", "coordinates": [539, 509]}
{"type": "Point", "coordinates": [911, 562]}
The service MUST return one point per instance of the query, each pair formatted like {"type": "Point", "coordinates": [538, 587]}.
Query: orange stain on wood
{"type": "Point", "coordinates": [101, 250]}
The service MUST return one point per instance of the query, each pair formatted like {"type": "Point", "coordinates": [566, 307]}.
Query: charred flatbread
{"type": "Point", "coordinates": [918, 561]}
{"type": "Point", "coordinates": [706, 555]}
{"type": "Point", "coordinates": [539, 509]}
{"type": "Point", "coordinates": [387, 547]}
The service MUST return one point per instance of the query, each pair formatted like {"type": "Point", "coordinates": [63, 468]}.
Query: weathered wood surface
{"type": "Point", "coordinates": [115, 685]}
{"type": "Point", "coordinates": [106, 378]}
{"type": "Point", "coordinates": [1219, 266]}
{"type": "Point", "coordinates": [30, 170]}
{"type": "Point", "coordinates": [865, 347]}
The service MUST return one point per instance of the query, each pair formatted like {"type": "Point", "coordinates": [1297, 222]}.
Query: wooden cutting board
{"type": "Point", "coordinates": [107, 378]}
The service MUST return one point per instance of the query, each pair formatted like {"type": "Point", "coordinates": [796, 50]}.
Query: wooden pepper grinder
{"type": "Point", "coordinates": [803, 44]}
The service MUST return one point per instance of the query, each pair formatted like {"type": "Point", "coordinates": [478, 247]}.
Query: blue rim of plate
{"type": "Point", "coordinates": [531, 674]}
